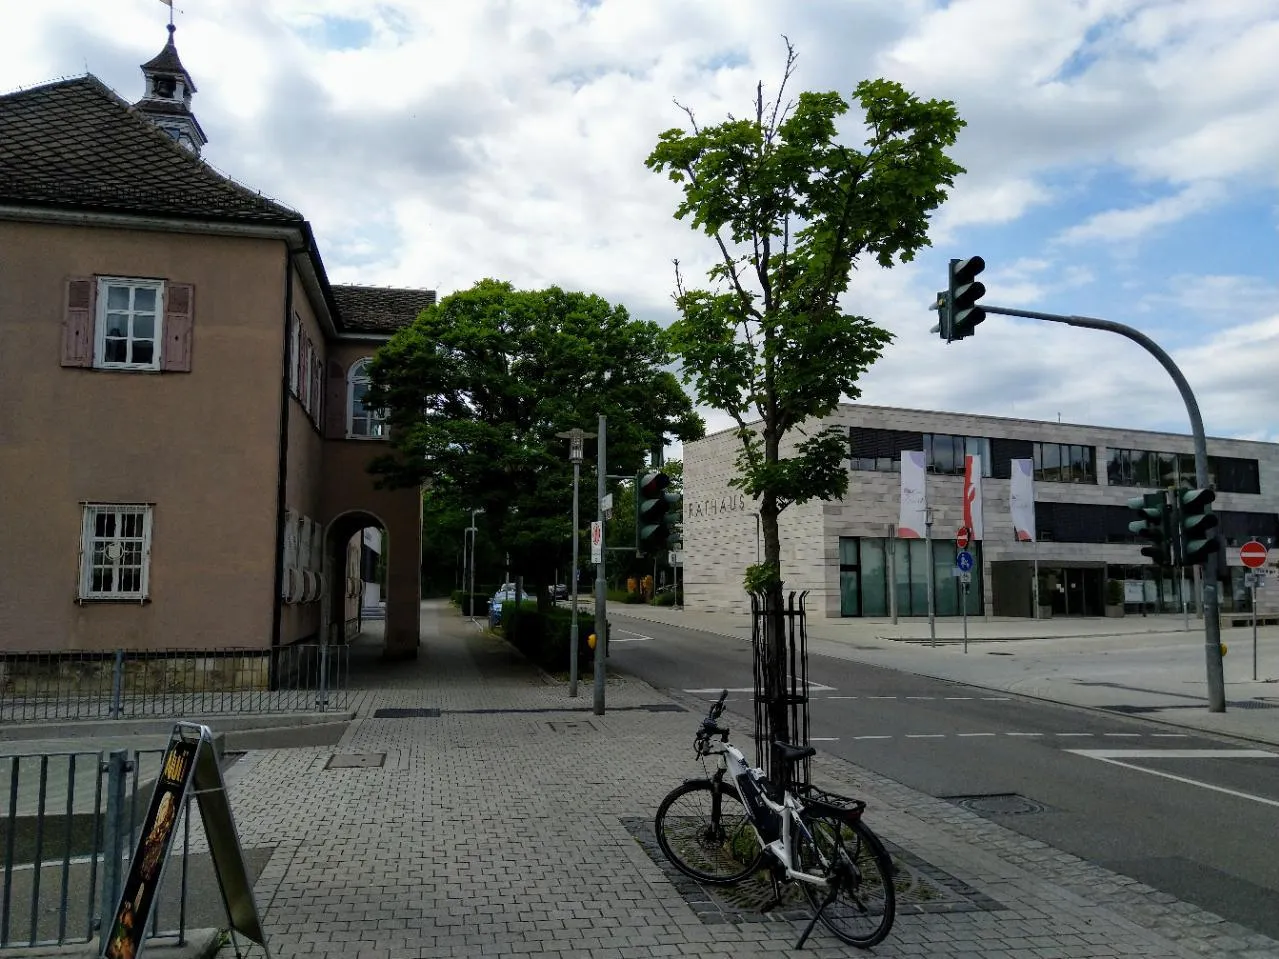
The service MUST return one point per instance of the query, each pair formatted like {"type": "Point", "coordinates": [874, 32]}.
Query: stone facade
{"type": "Point", "coordinates": [720, 525]}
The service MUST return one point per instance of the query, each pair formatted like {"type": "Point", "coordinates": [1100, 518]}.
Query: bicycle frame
{"type": "Point", "coordinates": [733, 762]}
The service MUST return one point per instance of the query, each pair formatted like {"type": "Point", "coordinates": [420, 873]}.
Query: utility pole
{"type": "Point", "coordinates": [575, 437]}
{"type": "Point", "coordinates": [601, 611]}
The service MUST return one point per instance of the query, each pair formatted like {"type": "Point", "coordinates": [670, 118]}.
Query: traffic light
{"type": "Point", "coordinates": [941, 305]}
{"type": "Point", "coordinates": [657, 512]}
{"type": "Point", "coordinates": [1198, 525]}
{"type": "Point", "coordinates": [963, 313]}
{"type": "Point", "coordinates": [1155, 525]}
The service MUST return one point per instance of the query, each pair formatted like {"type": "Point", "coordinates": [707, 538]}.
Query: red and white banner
{"type": "Point", "coordinates": [972, 495]}
{"type": "Point", "coordinates": [1022, 500]}
{"type": "Point", "coordinates": [910, 522]}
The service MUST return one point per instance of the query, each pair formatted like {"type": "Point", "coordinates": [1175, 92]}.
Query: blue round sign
{"type": "Point", "coordinates": [964, 560]}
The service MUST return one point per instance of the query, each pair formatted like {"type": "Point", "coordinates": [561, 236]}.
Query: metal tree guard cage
{"type": "Point", "coordinates": [780, 683]}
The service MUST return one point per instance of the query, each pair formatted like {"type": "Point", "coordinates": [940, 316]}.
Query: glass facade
{"type": "Point", "coordinates": [866, 564]}
{"type": "Point", "coordinates": [1065, 463]}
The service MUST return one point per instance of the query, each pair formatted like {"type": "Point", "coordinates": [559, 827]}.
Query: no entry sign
{"type": "Point", "coordinates": [963, 537]}
{"type": "Point", "coordinates": [1253, 554]}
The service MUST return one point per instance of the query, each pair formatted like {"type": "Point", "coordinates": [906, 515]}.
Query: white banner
{"type": "Point", "coordinates": [972, 495]}
{"type": "Point", "coordinates": [1022, 500]}
{"type": "Point", "coordinates": [910, 524]}
{"type": "Point", "coordinates": [597, 542]}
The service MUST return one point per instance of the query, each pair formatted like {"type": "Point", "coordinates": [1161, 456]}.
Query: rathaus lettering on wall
{"type": "Point", "coordinates": [713, 507]}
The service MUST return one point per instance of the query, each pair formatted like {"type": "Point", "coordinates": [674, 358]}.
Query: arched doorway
{"type": "Point", "coordinates": [360, 595]}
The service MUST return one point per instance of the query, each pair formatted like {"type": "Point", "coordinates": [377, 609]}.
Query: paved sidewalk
{"type": "Point", "coordinates": [1150, 667]}
{"type": "Point", "coordinates": [507, 825]}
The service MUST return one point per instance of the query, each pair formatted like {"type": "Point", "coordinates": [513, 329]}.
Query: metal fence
{"type": "Point", "coordinates": [129, 684]}
{"type": "Point", "coordinates": [72, 821]}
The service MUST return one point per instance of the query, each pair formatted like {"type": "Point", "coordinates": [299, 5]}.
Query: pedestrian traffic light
{"type": "Point", "coordinates": [1155, 525]}
{"type": "Point", "coordinates": [657, 512]}
{"type": "Point", "coordinates": [1198, 525]}
{"type": "Point", "coordinates": [961, 301]}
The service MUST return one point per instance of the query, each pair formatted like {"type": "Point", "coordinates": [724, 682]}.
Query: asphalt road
{"type": "Point", "coordinates": [1188, 814]}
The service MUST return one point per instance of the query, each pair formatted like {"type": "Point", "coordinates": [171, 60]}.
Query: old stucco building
{"type": "Point", "coordinates": [183, 442]}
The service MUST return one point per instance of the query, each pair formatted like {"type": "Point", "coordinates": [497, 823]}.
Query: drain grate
{"type": "Point", "coordinates": [355, 761]}
{"type": "Point", "coordinates": [396, 713]}
{"type": "Point", "coordinates": [921, 888]}
{"type": "Point", "coordinates": [998, 804]}
{"type": "Point", "coordinates": [572, 726]}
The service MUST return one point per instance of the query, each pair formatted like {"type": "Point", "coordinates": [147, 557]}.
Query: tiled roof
{"type": "Point", "coordinates": [379, 309]}
{"type": "Point", "coordinates": [75, 144]}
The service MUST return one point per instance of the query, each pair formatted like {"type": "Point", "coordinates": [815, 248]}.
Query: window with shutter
{"type": "Point", "coordinates": [295, 331]}
{"type": "Point", "coordinates": [179, 317]}
{"type": "Point", "coordinates": [129, 321]}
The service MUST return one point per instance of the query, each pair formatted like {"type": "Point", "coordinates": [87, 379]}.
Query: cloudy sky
{"type": "Point", "coordinates": [1122, 157]}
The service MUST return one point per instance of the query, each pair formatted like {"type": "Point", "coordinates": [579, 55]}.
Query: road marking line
{"type": "Point", "coordinates": [872, 737]}
{"type": "Point", "coordinates": [1175, 753]}
{"type": "Point", "coordinates": [823, 739]}
{"type": "Point", "coordinates": [841, 697]}
{"type": "Point", "coordinates": [1107, 756]}
{"type": "Point", "coordinates": [631, 632]}
{"type": "Point", "coordinates": [996, 699]}
{"type": "Point", "coordinates": [974, 734]}
{"type": "Point", "coordinates": [1023, 734]}
{"type": "Point", "coordinates": [881, 697]}
{"type": "Point", "coordinates": [1123, 735]}
{"type": "Point", "coordinates": [1169, 735]}
{"type": "Point", "coordinates": [921, 697]}
{"type": "Point", "coordinates": [925, 735]}
{"type": "Point", "coordinates": [633, 639]}
{"type": "Point", "coordinates": [1072, 734]}
{"type": "Point", "coordinates": [959, 697]}
{"type": "Point", "coordinates": [719, 689]}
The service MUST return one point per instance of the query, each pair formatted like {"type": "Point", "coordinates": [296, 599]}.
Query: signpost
{"type": "Point", "coordinates": [1253, 555]}
{"type": "Point", "coordinates": [964, 563]}
{"type": "Point", "coordinates": [597, 541]}
{"type": "Point", "coordinates": [189, 768]}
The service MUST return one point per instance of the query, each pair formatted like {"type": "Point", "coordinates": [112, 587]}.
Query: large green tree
{"type": "Point", "coordinates": [791, 210]}
{"type": "Point", "coordinates": [477, 387]}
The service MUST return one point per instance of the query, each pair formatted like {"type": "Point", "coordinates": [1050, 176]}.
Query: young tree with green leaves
{"type": "Point", "coordinates": [477, 387]}
{"type": "Point", "coordinates": [791, 210]}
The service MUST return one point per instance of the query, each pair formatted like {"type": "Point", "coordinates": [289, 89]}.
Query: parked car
{"type": "Point", "coordinates": [503, 595]}
{"type": "Point", "coordinates": [559, 591]}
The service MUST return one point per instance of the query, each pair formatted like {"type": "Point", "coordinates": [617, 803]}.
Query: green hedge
{"type": "Point", "coordinates": [545, 637]}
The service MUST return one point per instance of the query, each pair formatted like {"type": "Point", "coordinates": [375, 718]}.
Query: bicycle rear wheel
{"type": "Point", "coordinates": [706, 832]}
{"type": "Point", "coordinates": [855, 862]}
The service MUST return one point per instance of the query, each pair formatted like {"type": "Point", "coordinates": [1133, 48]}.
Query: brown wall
{"type": "Point", "coordinates": [349, 496]}
{"type": "Point", "coordinates": [202, 446]}
{"type": "Point", "coordinates": [303, 480]}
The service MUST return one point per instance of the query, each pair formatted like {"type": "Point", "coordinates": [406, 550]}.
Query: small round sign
{"type": "Point", "coordinates": [1253, 554]}
{"type": "Point", "coordinates": [964, 561]}
{"type": "Point", "coordinates": [963, 537]}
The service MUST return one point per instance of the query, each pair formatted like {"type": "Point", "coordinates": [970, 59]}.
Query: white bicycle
{"type": "Point", "coordinates": [720, 832]}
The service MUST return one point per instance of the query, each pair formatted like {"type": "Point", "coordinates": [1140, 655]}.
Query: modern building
{"type": "Point", "coordinates": [849, 556]}
{"type": "Point", "coordinates": [184, 441]}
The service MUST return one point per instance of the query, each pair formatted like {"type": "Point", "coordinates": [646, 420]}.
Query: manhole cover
{"type": "Point", "coordinates": [397, 713]}
{"type": "Point", "coordinates": [572, 726]}
{"type": "Point", "coordinates": [998, 804]}
{"type": "Point", "coordinates": [355, 760]}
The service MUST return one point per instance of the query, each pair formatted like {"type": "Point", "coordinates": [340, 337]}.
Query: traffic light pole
{"type": "Point", "coordinates": [1211, 575]}
{"type": "Point", "coordinates": [601, 613]}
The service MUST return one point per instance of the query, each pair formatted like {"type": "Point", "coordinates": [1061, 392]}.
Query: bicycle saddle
{"type": "Point", "coordinates": [793, 754]}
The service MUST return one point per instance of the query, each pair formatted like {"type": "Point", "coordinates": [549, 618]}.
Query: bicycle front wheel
{"type": "Point", "coordinates": [851, 858]}
{"type": "Point", "coordinates": [706, 832]}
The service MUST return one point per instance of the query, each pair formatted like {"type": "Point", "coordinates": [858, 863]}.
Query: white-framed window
{"type": "Point", "coordinates": [115, 551]}
{"type": "Point", "coordinates": [127, 333]}
{"type": "Point", "coordinates": [362, 422]}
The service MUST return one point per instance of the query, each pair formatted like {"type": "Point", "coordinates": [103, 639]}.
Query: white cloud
{"type": "Point", "coordinates": [506, 138]}
{"type": "Point", "coordinates": [1134, 222]}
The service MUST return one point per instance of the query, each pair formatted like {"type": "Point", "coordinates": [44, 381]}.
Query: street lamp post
{"type": "Point", "coordinates": [473, 529]}
{"type": "Point", "coordinates": [575, 439]}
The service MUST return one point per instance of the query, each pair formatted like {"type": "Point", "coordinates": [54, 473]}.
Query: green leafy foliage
{"type": "Point", "coordinates": [791, 210]}
{"type": "Point", "coordinates": [478, 386]}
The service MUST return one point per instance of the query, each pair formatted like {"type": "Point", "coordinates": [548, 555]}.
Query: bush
{"type": "Point", "coordinates": [618, 596]}
{"type": "Point", "coordinates": [545, 637]}
{"type": "Point", "coordinates": [1114, 592]}
{"type": "Point", "coordinates": [666, 599]}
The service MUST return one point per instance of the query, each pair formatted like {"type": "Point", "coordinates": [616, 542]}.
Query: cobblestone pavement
{"type": "Point", "coordinates": [505, 825]}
